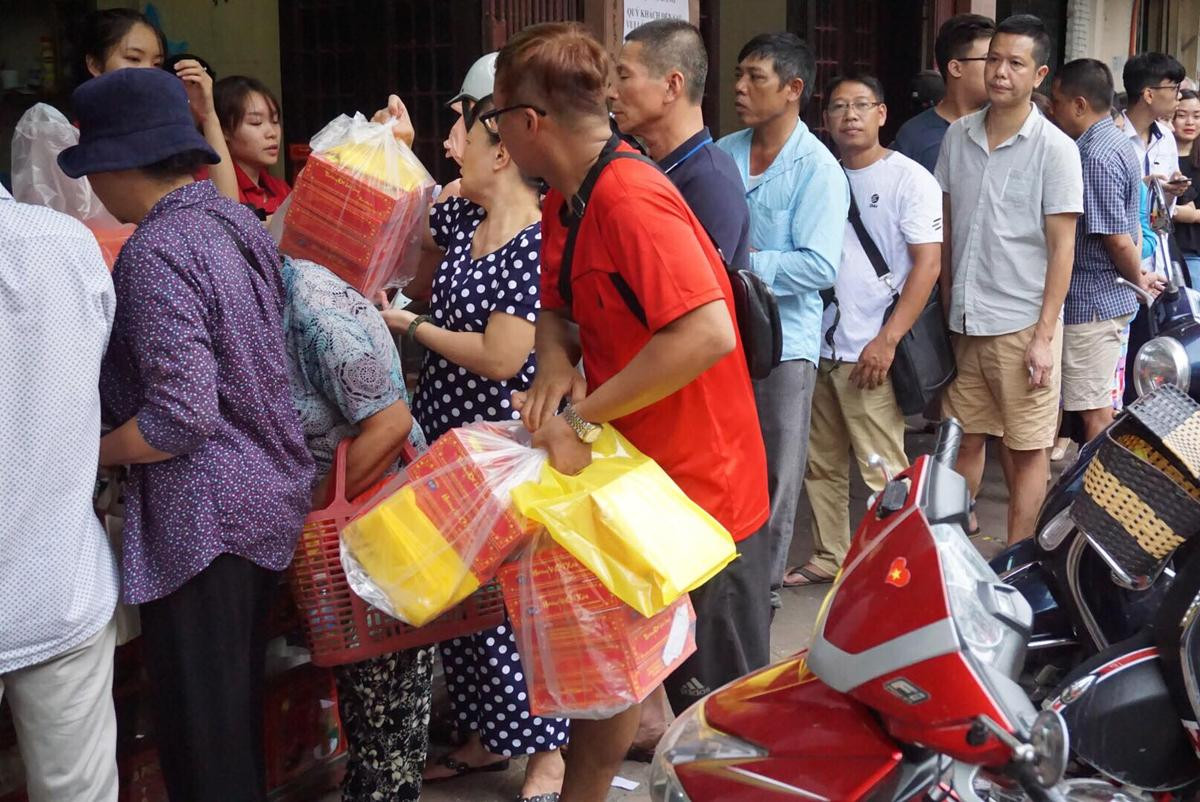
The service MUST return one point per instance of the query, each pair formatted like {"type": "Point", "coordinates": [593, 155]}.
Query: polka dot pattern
{"type": "Point", "coordinates": [57, 571]}
{"type": "Point", "coordinates": [197, 354]}
{"type": "Point", "coordinates": [488, 694]}
{"type": "Point", "coordinates": [483, 671]}
{"type": "Point", "coordinates": [466, 291]}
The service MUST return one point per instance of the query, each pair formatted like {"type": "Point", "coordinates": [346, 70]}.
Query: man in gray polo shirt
{"type": "Point", "coordinates": [1012, 189]}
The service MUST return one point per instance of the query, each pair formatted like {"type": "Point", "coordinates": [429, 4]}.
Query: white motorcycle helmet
{"type": "Point", "coordinates": [477, 86]}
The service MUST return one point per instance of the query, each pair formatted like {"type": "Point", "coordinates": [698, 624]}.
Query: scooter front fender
{"type": "Point", "coordinates": [820, 744]}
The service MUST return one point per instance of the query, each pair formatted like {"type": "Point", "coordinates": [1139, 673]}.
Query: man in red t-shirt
{"type": "Point", "coordinates": [676, 384]}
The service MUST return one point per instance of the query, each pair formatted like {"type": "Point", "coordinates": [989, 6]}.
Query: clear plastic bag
{"type": "Point", "coordinates": [585, 653]}
{"type": "Point", "coordinates": [441, 528]}
{"type": "Point", "coordinates": [41, 134]}
{"type": "Point", "coordinates": [357, 205]}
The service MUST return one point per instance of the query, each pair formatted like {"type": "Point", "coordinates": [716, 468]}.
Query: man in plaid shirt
{"type": "Point", "coordinates": [1097, 311]}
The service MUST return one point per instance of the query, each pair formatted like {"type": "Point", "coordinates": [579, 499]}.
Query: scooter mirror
{"type": "Point", "coordinates": [1146, 297]}
{"type": "Point", "coordinates": [1051, 747]}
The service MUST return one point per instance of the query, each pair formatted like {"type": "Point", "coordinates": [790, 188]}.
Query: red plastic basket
{"type": "Point", "coordinates": [339, 626]}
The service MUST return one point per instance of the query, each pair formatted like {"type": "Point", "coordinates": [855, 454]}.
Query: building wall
{"type": "Point", "coordinates": [740, 21]}
{"type": "Point", "coordinates": [1100, 29]}
{"type": "Point", "coordinates": [236, 37]}
{"type": "Point", "coordinates": [1182, 35]}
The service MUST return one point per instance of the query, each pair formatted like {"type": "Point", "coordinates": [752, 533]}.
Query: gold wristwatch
{"type": "Point", "coordinates": [586, 431]}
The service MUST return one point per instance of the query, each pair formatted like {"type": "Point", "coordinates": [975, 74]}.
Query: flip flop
{"type": "Point", "coordinates": [809, 577]}
{"type": "Point", "coordinates": [550, 797]}
{"type": "Point", "coordinates": [461, 769]}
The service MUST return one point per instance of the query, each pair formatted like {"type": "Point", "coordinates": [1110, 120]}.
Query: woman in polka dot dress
{"type": "Point", "coordinates": [479, 336]}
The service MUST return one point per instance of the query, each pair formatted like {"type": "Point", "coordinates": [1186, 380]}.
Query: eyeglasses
{"type": "Point", "coordinates": [491, 119]}
{"type": "Point", "coordinates": [1173, 87]}
{"type": "Point", "coordinates": [972, 58]}
{"type": "Point", "coordinates": [860, 107]}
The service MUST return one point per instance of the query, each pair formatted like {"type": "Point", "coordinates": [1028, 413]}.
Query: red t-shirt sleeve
{"type": "Point", "coordinates": [554, 240]}
{"type": "Point", "coordinates": [653, 242]}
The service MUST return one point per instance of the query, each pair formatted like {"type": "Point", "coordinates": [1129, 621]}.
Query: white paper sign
{"type": "Point", "coordinates": [639, 12]}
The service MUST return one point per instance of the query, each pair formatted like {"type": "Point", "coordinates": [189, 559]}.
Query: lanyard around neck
{"type": "Point", "coordinates": [689, 154]}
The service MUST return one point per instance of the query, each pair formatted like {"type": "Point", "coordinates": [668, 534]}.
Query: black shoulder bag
{"type": "Point", "coordinates": [755, 306]}
{"type": "Point", "coordinates": [924, 361]}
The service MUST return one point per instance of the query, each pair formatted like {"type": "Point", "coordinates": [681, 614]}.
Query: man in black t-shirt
{"type": "Point", "coordinates": [961, 50]}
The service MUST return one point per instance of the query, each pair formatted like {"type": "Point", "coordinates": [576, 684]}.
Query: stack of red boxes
{"type": "Point", "coordinates": [353, 222]}
{"type": "Point", "coordinates": [586, 653]}
{"type": "Point", "coordinates": [457, 485]}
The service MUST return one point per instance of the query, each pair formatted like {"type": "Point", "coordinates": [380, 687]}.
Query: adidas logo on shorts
{"type": "Point", "coordinates": [694, 687]}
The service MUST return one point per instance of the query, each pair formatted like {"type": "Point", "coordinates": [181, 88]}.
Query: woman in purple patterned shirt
{"type": "Point", "coordinates": [195, 383]}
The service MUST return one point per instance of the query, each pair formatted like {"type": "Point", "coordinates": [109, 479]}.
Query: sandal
{"type": "Point", "coordinates": [550, 797]}
{"type": "Point", "coordinates": [808, 576]}
{"type": "Point", "coordinates": [461, 769]}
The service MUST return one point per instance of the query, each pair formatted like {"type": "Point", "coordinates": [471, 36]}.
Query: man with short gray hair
{"type": "Point", "coordinates": [656, 97]}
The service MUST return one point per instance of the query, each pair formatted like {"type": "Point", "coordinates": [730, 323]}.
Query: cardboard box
{"type": "Point", "coordinates": [584, 650]}
{"type": "Point", "coordinates": [459, 494]}
{"type": "Point", "coordinates": [347, 222]}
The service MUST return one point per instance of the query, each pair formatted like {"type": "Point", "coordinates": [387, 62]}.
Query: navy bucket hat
{"type": "Point", "coordinates": [131, 118]}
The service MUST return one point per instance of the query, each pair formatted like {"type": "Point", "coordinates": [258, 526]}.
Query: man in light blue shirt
{"type": "Point", "coordinates": [798, 199]}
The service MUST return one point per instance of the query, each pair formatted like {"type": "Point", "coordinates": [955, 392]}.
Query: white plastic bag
{"type": "Point", "coordinates": [357, 205]}
{"type": "Point", "coordinates": [41, 134]}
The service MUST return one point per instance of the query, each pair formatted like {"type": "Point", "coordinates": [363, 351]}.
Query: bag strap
{"type": "Point", "coordinates": [873, 256]}
{"type": "Point", "coordinates": [576, 208]}
{"type": "Point", "coordinates": [247, 253]}
{"type": "Point", "coordinates": [864, 238]}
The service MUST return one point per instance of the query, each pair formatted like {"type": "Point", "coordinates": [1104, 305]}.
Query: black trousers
{"type": "Point", "coordinates": [733, 625]}
{"type": "Point", "coordinates": [205, 647]}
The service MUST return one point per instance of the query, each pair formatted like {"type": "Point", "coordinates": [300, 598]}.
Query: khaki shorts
{"type": "Point", "coordinates": [991, 394]}
{"type": "Point", "coordinates": [1089, 362]}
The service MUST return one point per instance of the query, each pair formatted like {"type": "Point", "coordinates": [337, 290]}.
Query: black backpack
{"type": "Point", "coordinates": [756, 308]}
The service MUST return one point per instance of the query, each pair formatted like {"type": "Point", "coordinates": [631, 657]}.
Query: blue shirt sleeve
{"type": "Point", "coordinates": [519, 276]}
{"type": "Point", "coordinates": [1149, 237]}
{"type": "Point", "coordinates": [818, 223]}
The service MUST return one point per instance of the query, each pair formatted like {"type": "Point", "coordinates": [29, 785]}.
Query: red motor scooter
{"type": "Point", "coordinates": [908, 691]}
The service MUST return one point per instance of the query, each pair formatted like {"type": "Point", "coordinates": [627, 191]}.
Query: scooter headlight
{"type": "Point", "coordinates": [1161, 361]}
{"type": "Point", "coordinates": [688, 740]}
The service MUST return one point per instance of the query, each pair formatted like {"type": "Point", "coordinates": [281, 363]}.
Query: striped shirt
{"type": "Point", "coordinates": [1111, 177]}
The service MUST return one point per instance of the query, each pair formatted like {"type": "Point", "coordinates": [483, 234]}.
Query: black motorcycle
{"type": "Point", "coordinates": [1082, 601]}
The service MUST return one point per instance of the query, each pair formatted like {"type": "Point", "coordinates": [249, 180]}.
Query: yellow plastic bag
{"type": "Point", "coordinates": [408, 559]}
{"type": "Point", "coordinates": [630, 524]}
{"type": "Point", "coordinates": [442, 527]}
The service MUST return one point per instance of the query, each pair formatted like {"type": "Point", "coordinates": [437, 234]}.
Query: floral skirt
{"type": "Point", "coordinates": [384, 704]}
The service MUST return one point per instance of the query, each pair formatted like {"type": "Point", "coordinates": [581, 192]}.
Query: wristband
{"type": "Point", "coordinates": [412, 327]}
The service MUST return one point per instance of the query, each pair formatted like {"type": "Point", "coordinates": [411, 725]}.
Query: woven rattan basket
{"type": "Point", "coordinates": [1140, 498]}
